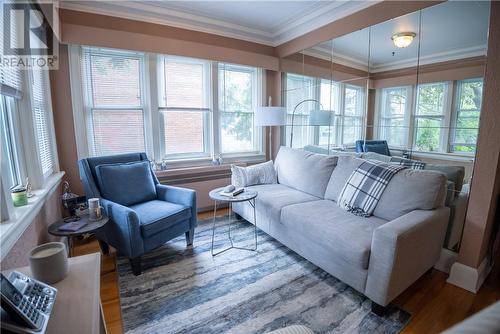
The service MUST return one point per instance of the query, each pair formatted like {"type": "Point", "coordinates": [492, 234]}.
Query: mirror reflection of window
{"type": "Point", "coordinates": [394, 116]}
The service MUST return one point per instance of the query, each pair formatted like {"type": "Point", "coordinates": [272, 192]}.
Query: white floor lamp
{"type": "Point", "coordinates": [270, 116]}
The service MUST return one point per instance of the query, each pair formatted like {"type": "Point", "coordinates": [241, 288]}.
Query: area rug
{"type": "Point", "coordinates": [186, 290]}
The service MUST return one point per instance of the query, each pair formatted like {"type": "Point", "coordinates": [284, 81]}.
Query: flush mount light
{"type": "Point", "coordinates": [403, 39]}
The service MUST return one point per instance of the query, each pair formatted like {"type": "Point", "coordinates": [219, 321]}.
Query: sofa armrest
{"type": "Point", "coordinates": [123, 231]}
{"type": "Point", "coordinates": [178, 195]}
{"type": "Point", "coordinates": [402, 250]}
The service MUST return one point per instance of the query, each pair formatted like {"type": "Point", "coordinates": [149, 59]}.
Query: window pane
{"type": "Point", "coordinates": [329, 95]}
{"type": "Point", "coordinates": [183, 131]}
{"type": "Point", "coordinates": [351, 130]}
{"type": "Point", "coordinates": [118, 131]}
{"type": "Point", "coordinates": [428, 134]}
{"type": "Point", "coordinates": [41, 115]}
{"type": "Point", "coordinates": [298, 89]}
{"type": "Point", "coordinates": [237, 99]}
{"type": "Point", "coordinates": [353, 102]}
{"type": "Point", "coordinates": [394, 131]}
{"type": "Point", "coordinates": [115, 81]}
{"type": "Point", "coordinates": [392, 124]}
{"type": "Point", "coordinates": [471, 93]}
{"type": "Point", "coordinates": [9, 149]}
{"type": "Point", "coordinates": [237, 131]}
{"type": "Point", "coordinates": [468, 112]}
{"type": "Point", "coordinates": [184, 87]}
{"type": "Point", "coordinates": [236, 90]}
{"type": "Point", "coordinates": [431, 99]}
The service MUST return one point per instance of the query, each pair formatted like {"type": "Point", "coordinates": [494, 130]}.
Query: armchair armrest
{"type": "Point", "coordinates": [123, 231]}
{"type": "Point", "coordinates": [402, 250]}
{"type": "Point", "coordinates": [178, 195]}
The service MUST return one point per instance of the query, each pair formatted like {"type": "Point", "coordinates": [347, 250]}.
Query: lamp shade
{"type": "Point", "coordinates": [320, 117]}
{"type": "Point", "coordinates": [270, 116]}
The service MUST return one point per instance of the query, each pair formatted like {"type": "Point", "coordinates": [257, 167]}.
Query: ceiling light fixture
{"type": "Point", "coordinates": [403, 39]}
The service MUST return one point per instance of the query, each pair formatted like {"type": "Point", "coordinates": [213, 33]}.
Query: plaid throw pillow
{"type": "Point", "coordinates": [364, 188]}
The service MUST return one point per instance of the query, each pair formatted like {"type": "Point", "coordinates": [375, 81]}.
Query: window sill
{"type": "Point", "coordinates": [11, 230]}
{"type": "Point", "coordinates": [439, 155]}
{"type": "Point", "coordinates": [207, 162]}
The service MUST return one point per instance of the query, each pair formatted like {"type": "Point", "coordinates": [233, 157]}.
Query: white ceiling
{"type": "Point", "coordinates": [449, 31]}
{"type": "Point", "coordinates": [267, 22]}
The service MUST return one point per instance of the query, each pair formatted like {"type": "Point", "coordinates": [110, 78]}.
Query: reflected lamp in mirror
{"type": "Point", "coordinates": [270, 116]}
{"type": "Point", "coordinates": [403, 39]}
{"type": "Point", "coordinates": [320, 117]}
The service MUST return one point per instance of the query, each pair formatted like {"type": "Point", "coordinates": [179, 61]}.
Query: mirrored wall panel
{"type": "Point", "coordinates": [406, 91]}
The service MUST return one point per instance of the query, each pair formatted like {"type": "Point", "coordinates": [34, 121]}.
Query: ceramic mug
{"type": "Point", "coordinates": [94, 209]}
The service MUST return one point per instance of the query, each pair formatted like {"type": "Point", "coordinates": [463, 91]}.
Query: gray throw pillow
{"type": "Point", "coordinates": [263, 173]}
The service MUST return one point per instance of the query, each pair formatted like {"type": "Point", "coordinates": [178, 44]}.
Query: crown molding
{"type": "Point", "coordinates": [317, 16]}
{"type": "Point", "coordinates": [463, 53]}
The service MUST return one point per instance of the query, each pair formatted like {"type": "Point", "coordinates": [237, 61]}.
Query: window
{"type": "Point", "coordinates": [437, 124]}
{"type": "Point", "coordinates": [466, 122]}
{"type": "Point", "coordinates": [329, 96]}
{"type": "Point", "coordinates": [10, 154]}
{"type": "Point", "coordinates": [114, 101]}
{"type": "Point", "coordinates": [40, 104]}
{"type": "Point", "coordinates": [394, 116]}
{"type": "Point", "coordinates": [175, 108]}
{"type": "Point", "coordinates": [185, 106]}
{"type": "Point", "coordinates": [238, 98]}
{"type": "Point", "coordinates": [345, 102]}
{"type": "Point", "coordinates": [352, 117]}
{"type": "Point", "coordinates": [429, 116]}
{"type": "Point", "coordinates": [299, 88]}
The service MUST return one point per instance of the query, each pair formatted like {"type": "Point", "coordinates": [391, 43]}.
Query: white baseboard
{"type": "Point", "coordinates": [469, 278]}
{"type": "Point", "coordinates": [446, 260]}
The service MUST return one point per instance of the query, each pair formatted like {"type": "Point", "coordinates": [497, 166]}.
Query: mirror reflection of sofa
{"type": "Point", "coordinates": [456, 198]}
{"type": "Point", "coordinates": [381, 255]}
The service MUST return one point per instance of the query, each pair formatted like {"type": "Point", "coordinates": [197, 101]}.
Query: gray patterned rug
{"type": "Point", "coordinates": [185, 290]}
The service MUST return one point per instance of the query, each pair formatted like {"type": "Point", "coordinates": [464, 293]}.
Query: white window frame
{"type": "Point", "coordinates": [449, 118]}
{"type": "Point", "coordinates": [207, 110]}
{"type": "Point", "coordinates": [339, 116]}
{"type": "Point", "coordinates": [257, 100]}
{"type": "Point", "coordinates": [380, 105]}
{"type": "Point", "coordinates": [455, 113]}
{"type": "Point", "coordinates": [152, 107]}
{"type": "Point", "coordinates": [87, 99]}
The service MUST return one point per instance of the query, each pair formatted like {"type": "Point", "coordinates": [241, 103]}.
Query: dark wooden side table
{"type": "Point", "coordinates": [91, 227]}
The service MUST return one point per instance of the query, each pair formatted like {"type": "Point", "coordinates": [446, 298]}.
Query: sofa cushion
{"type": "Point", "coordinates": [345, 166]}
{"type": "Point", "coordinates": [304, 171]}
{"type": "Point", "coordinates": [411, 190]}
{"type": "Point", "coordinates": [156, 215]}
{"type": "Point", "coordinates": [455, 174]}
{"type": "Point", "coordinates": [263, 173]}
{"type": "Point", "coordinates": [126, 183]}
{"type": "Point", "coordinates": [376, 156]}
{"type": "Point", "coordinates": [272, 198]}
{"type": "Point", "coordinates": [346, 236]}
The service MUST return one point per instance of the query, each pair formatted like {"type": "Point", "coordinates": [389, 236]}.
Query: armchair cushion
{"type": "Point", "coordinates": [126, 183]}
{"type": "Point", "coordinates": [157, 215]}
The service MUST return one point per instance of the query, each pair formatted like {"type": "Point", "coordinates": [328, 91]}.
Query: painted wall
{"type": "Point", "coordinates": [35, 234]}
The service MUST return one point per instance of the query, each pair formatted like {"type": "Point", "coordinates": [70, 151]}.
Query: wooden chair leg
{"type": "Point", "coordinates": [190, 237]}
{"type": "Point", "coordinates": [104, 247]}
{"type": "Point", "coordinates": [136, 266]}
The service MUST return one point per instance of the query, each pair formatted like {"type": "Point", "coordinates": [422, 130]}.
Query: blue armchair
{"type": "Point", "coordinates": [144, 214]}
{"type": "Point", "coordinates": [377, 146]}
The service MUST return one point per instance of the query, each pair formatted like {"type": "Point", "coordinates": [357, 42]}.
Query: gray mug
{"type": "Point", "coordinates": [49, 262]}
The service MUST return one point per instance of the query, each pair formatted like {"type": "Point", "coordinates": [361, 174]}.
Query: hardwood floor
{"type": "Point", "coordinates": [434, 304]}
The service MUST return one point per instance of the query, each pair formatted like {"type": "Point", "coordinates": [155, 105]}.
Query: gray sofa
{"type": "Point", "coordinates": [379, 256]}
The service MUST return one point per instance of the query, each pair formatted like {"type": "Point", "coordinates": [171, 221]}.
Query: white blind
{"type": "Point", "coordinates": [10, 77]}
{"type": "Point", "coordinates": [114, 102]}
{"type": "Point", "coordinates": [41, 109]}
